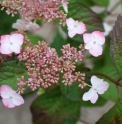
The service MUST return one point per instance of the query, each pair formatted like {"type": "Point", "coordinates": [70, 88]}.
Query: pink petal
{"type": "Point", "coordinates": [96, 50]}
{"type": "Point", "coordinates": [15, 48]}
{"type": "Point", "coordinates": [94, 98]}
{"type": "Point", "coordinates": [8, 103]}
{"type": "Point", "coordinates": [5, 48]}
{"type": "Point", "coordinates": [17, 99]}
{"type": "Point", "coordinates": [17, 39]}
{"type": "Point", "coordinates": [89, 45]}
{"type": "Point", "coordinates": [81, 28]}
{"type": "Point", "coordinates": [88, 38]}
{"type": "Point", "coordinates": [5, 39]}
{"type": "Point", "coordinates": [71, 33]}
{"type": "Point", "coordinates": [6, 91]}
{"type": "Point", "coordinates": [102, 87]}
{"type": "Point", "coordinates": [95, 81]}
{"type": "Point", "coordinates": [70, 23]}
{"type": "Point", "coordinates": [99, 37]}
{"type": "Point", "coordinates": [88, 95]}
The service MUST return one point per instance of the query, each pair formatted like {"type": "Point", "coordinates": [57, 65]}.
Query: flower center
{"type": "Point", "coordinates": [94, 42]}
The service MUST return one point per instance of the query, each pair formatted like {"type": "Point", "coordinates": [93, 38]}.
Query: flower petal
{"type": "Point", "coordinates": [96, 50]}
{"type": "Point", "coordinates": [65, 7]}
{"type": "Point", "coordinates": [17, 99]}
{"type": "Point", "coordinates": [88, 95]}
{"type": "Point", "coordinates": [89, 45]}
{"type": "Point", "coordinates": [5, 48]}
{"type": "Point", "coordinates": [6, 91]}
{"type": "Point", "coordinates": [8, 103]}
{"type": "Point", "coordinates": [17, 39]}
{"type": "Point", "coordinates": [5, 39]}
{"type": "Point", "coordinates": [70, 23]}
{"type": "Point", "coordinates": [99, 37]}
{"type": "Point", "coordinates": [15, 48]}
{"type": "Point", "coordinates": [71, 33]}
{"type": "Point", "coordinates": [87, 37]}
{"type": "Point", "coordinates": [95, 81]}
{"type": "Point", "coordinates": [94, 98]}
{"type": "Point", "coordinates": [81, 28]}
{"type": "Point", "coordinates": [103, 86]}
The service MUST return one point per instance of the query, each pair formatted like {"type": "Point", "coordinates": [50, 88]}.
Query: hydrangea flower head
{"type": "Point", "coordinates": [94, 42]}
{"type": "Point", "coordinates": [11, 43]}
{"type": "Point", "coordinates": [98, 87]}
{"type": "Point", "coordinates": [75, 27]}
{"type": "Point", "coordinates": [9, 97]}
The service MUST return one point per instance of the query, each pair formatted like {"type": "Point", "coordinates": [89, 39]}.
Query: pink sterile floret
{"type": "Point", "coordinates": [94, 42]}
{"type": "Point", "coordinates": [11, 43]}
{"type": "Point", "coordinates": [98, 87]}
{"type": "Point", "coordinates": [75, 27]}
{"type": "Point", "coordinates": [9, 97]}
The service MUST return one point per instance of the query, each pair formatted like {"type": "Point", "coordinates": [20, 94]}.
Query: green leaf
{"type": "Point", "coordinates": [58, 42]}
{"type": "Point", "coordinates": [104, 3]}
{"type": "Point", "coordinates": [111, 72]}
{"type": "Point", "coordinates": [6, 22]}
{"type": "Point", "coordinates": [10, 71]}
{"type": "Point", "coordinates": [34, 38]}
{"type": "Point", "coordinates": [83, 13]}
{"type": "Point", "coordinates": [113, 116]}
{"type": "Point", "coordinates": [71, 120]}
{"type": "Point", "coordinates": [85, 2]}
{"type": "Point", "coordinates": [53, 108]}
{"type": "Point", "coordinates": [116, 45]}
{"type": "Point", "coordinates": [72, 92]}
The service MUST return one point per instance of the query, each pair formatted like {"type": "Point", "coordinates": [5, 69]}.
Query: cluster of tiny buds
{"type": "Point", "coordinates": [35, 9]}
{"type": "Point", "coordinates": [44, 66]}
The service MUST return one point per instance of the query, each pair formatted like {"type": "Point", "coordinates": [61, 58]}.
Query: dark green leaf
{"type": "Point", "coordinates": [113, 116]}
{"type": "Point", "coordinates": [116, 45]}
{"type": "Point", "coordinates": [6, 22]}
{"type": "Point", "coordinates": [10, 71]}
{"type": "Point", "coordinates": [58, 42]}
{"type": "Point", "coordinates": [85, 2]}
{"type": "Point", "coordinates": [53, 108]}
{"type": "Point", "coordinates": [34, 38]}
{"type": "Point", "coordinates": [104, 3]}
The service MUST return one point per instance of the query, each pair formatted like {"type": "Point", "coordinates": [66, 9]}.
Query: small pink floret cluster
{"type": "Point", "coordinates": [93, 41]}
{"type": "Point", "coordinates": [11, 43]}
{"type": "Point", "coordinates": [10, 98]}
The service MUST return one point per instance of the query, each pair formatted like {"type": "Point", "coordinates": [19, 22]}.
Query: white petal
{"type": "Point", "coordinates": [15, 48]}
{"type": "Point", "coordinates": [72, 33]}
{"type": "Point", "coordinates": [99, 37]}
{"type": "Point", "coordinates": [94, 98]}
{"type": "Point", "coordinates": [70, 23]}
{"type": "Point", "coordinates": [96, 50]}
{"type": "Point", "coordinates": [17, 38]}
{"type": "Point", "coordinates": [95, 81]}
{"type": "Point", "coordinates": [87, 37]}
{"type": "Point", "coordinates": [102, 87]}
{"type": "Point", "coordinates": [89, 45]}
{"type": "Point", "coordinates": [65, 7]}
{"type": "Point", "coordinates": [6, 91]}
{"type": "Point", "coordinates": [88, 95]}
{"type": "Point", "coordinates": [17, 99]}
{"type": "Point", "coordinates": [8, 103]}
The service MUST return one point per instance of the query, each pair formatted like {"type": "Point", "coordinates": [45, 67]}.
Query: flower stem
{"type": "Point", "coordinates": [118, 90]}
